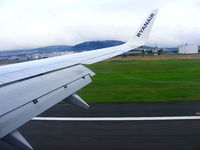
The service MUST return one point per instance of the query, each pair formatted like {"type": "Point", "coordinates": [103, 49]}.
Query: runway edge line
{"type": "Point", "coordinates": [115, 118]}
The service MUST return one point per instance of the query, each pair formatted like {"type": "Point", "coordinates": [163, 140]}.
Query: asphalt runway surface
{"type": "Point", "coordinates": [115, 135]}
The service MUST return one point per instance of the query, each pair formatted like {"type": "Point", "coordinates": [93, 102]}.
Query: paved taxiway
{"type": "Point", "coordinates": [107, 135]}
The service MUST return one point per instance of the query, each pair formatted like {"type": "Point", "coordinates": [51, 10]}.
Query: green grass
{"type": "Point", "coordinates": [144, 81]}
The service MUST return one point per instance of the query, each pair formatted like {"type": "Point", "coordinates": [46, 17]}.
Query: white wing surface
{"type": "Point", "coordinates": [29, 88]}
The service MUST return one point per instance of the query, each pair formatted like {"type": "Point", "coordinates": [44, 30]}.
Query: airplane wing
{"type": "Point", "coordinates": [29, 88]}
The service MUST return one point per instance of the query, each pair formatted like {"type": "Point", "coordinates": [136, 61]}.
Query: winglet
{"type": "Point", "coordinates": [141, 36]}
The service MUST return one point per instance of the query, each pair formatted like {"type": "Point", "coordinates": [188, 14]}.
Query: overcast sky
{"type": "Point", "coordinates": [35, 23]}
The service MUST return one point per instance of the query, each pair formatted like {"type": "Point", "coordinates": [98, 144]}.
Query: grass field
{"type": "Point", "coordinates": [144, 81]}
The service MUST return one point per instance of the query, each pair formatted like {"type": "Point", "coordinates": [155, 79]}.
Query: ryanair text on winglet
{"type": "Point", "coordinates": [145, 25]}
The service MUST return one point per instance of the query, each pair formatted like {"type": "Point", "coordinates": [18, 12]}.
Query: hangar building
{"type": "Point", "coordinates": [188, 49]}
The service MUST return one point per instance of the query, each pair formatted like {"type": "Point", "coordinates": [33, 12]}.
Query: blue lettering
{"type": "Point", "coordinates": [145, 25]}
{"type": "Point", "coordinates": [138, 35]}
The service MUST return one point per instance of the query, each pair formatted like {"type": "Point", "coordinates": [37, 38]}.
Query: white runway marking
{"type": "Point", "coordinates": [115, 118]}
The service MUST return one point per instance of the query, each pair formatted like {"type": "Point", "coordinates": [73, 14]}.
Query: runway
{"type": "Point", "coordinates": [126, 110]}
{"type": "Point", "coordinates": [117, 135]}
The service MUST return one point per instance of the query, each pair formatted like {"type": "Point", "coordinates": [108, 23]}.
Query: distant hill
{"type": "Point", "coordinates": [85, 46]}
{"type": "Point", "coordinates": [54, 48]}
{"type": "Point", "coordinates": [147, 47]}
{"type": "Point", "coordinates": [91, 45]}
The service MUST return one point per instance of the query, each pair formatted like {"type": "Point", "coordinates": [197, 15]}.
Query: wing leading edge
{"type": "Point", "coordinates": [29, 88]}
{"type": "Point", "coordinates": [14, 72]}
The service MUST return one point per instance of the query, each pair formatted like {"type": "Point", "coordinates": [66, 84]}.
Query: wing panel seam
{"type": "Point", "coordinates": [43, 95]}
